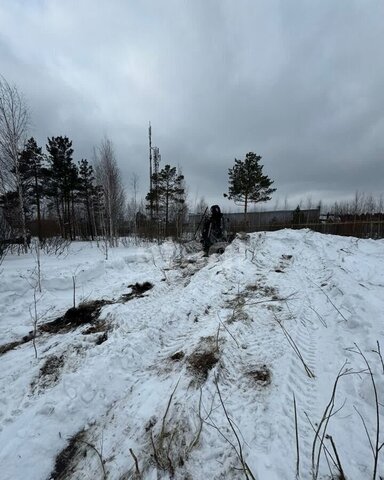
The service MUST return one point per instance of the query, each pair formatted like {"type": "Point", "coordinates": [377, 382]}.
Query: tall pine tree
{"type": "Point", "coordinates": [247, 184]}
{"type": "Point", "coordinates": [32, 173]}
{"type": "Point", "coordinates": [63, 182]}
{"type": "Point", "coordinates": [88, 194]}
{"type": "Point", "coordinates": [167, 193]}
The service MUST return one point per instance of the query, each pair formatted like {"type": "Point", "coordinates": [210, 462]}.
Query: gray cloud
{"type": "Point", "coordinates": [299, 83]}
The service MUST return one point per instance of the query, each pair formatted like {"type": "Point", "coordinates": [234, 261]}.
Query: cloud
{"type": "Point", "coordinates": [298, 83]}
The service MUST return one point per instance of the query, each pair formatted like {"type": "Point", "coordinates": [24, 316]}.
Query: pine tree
{"type": "Point", "coordinates": [168, 193]}
{"type": "Point", "coordinates": [32, 173]}
{"type": "Point", "coordinates": [247, 184]}
{"type": "Point", "coordinates": [87, 193]}
{"type": "Point", "coordinates": [63, 182]}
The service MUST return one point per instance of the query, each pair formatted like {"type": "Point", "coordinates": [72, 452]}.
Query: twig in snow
{"type": "Point", "coordinates": [237, 343]}
{"type": "Point", "coordinates": [376, 447]}
{"type": "Point", "coordinates": [280, 299]}
{"type": "Point", "coordinates": [320, 317]}
{"type": "Point", "coordinates": [334, 306]}
{"type": "Point", "coordinates": [378, 351]}
{"type": "Point", "coordinates": [295, 348]}
{"type": "Point", "coordinates": [135, 460]}
{"type": "Point", "coordinates": [99, 454]}
{"type": "Point", "coordinates": [341, 471]}
{"type": "Point", "coordinates": [198, 433]}
{"type": "Point", "coordinates": [167, 409]}
{"type": "Point", "coordinates": [247, 472]}
{"type": "Point", "coordinates": [297, 440]}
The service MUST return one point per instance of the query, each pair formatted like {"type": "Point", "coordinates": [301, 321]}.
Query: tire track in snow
{"type": "Point", "coordinates": [295, 381]}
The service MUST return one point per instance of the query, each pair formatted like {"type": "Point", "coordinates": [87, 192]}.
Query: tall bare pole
{"type": "Point", "coordinates": [150, 170]}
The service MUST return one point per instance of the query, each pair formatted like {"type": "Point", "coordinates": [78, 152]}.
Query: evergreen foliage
{"type": "Point", "coordinates": [167, 194]}
{"type": "Point", "coordinates": [33, 173]}
{"type": "Point", "coordinates": [62, 182]}
{"type": "Point", "coordinates": [247, 184]}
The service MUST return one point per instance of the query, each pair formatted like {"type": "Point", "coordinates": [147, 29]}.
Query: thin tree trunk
{"type": "Point", "coordinates": [39, 234]}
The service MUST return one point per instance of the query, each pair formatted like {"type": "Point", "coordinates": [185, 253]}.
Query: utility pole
{"type": "Point", "coordinates": [150, 171]}
{"type": "Point", "coordinates": [156, 161]}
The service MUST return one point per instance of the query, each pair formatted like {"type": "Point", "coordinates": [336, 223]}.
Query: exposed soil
{"type": "Point", "coordinates": [49, 373]}
{"type": "Point", "coordinates": [102, 338]}
{"type": "Point", "coordinates": [65, 463]}
{"type": "Point", "coordinates": [201, 362]}
{"type": "Point", "coordinates": [177, 356]}
{"type": "Point", "coordinates": [75, 317]}
{"type": "Point", "coordinates": [262, 375]}
{"type": "Point", "coordinates": [98, 327]}
{"type": "Point", "coordinates": [10, 346]}
{"type": "Point", "coordinates": [137, 291]}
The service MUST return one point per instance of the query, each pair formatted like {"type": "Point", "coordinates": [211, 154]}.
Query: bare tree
{"type": "Point", "coordinates": [109, 177]}
{"type": "Point", "coordinates": [133, 205]}
{"type": "Point", "coordinates": [13, 131]}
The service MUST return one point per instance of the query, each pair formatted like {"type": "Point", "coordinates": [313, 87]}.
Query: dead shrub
{"type": "Point", "coordinates": [75, 317]}
{"type": "Point", "coordinates": [137, 291]}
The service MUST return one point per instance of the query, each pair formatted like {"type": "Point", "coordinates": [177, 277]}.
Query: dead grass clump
{"type": "Point", "coordinates": [49, 373]}
{"type": "Point", "coordinates": [177, 356]}
{"type": "Point", "coordinates": [10, 346]}
{"type": "Point", "coordinates": [137, 291]}
{"type": "Point", "coordinates": [75, 317]}
{"type": "Point", "coordinates": [201, 362]}
{"type": "Point", "coordinates": [65, 464]}
{"type": "Point", "coordinates": [264, 290]}
{"type": "Point", "coordinates": [237, 305]}
{"type": "Point", "coordinates": [102, 338]}
{"type": "Point", "coordinates": [261, 375]}
{"type": "Point", "coordinates": [99, 327]}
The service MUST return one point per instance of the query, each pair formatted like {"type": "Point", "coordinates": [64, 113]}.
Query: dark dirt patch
{"type": "Point", "coordinates": [10, 346]}
{"type": "Point", "coordinates": [99, 327]}
{"type": "Point", "coordinates": [75, 317]}
{"type": "Point", "coordinates": [261, 375]}
{"type": "Point", "coordinates": [102, 338]}
{"type": "Point", "coordinates": [286, 257]}
{"type": "Point", "coordinates": [264, 290]}
{"type": "Point", "coordinates": [201, 362]}
{"type": "Point", "coordinates": [65, 463]}
{"type": "Point", "coordinates": [49, 373]}
{"type": "Point", "coordinates": [177, 356]}
{"type": "Point", "coordinates": [137, 291]}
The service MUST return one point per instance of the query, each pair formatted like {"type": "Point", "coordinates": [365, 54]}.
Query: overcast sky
{"type": "Point", "coordinates": [299, 82]}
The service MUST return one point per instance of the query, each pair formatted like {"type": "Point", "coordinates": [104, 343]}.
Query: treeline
{"type": "Point", "coordinates": [82, 200]}
{"type": "Point", "coordinates": [363, 204]}
{"type": "Point", "coordinates": [48, 193]}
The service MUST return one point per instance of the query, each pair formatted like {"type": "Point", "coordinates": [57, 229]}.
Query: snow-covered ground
{"type": "Point", "coordinates": [196, 377]}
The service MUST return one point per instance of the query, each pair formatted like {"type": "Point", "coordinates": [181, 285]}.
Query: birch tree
{"type": "Point", "coordinates": [108, 176]}
{"type": "Point", "coordinates": [13, 132]}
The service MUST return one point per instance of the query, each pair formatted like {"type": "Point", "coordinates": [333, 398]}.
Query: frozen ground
{"type": "Point", "coordinates": [195, 378]}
